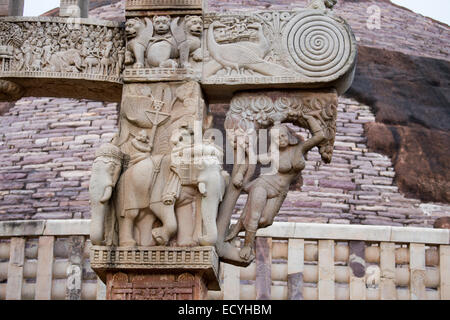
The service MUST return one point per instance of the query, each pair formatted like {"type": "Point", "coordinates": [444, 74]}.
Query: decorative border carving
{"type": "Point", "coordinates": [160, 74]}
{"type": "Point", "coordinates": [205, 259]}
{"type": "Point", "coordinates": [155, 257]}
{"type": "Point", "coordinates": [163, 4]}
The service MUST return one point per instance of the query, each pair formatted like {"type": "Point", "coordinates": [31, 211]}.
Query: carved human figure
{"type": "Point", "coordinates": [48, 50]}
{"type": "Point", "coordinates": [18, 59]}
{"type": "Point", "coordinates": [28, 54]}
{"type": "Point", "coordinates": [38, 51]}
{"type": "Point", "coordinates": [105, 173]}
{"type": "Point", "coordinates": [267, 193]}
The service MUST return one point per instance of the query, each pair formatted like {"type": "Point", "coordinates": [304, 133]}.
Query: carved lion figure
{"type": "Point", "coordinates": [193, 43]}
{"type": "Point", "coordinates": [139, 35]}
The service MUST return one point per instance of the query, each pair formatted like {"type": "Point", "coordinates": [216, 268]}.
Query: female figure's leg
{"type": "Point", "coordinates": [256, 202]}
{"type": "Point", "coordinates": [272, 208]}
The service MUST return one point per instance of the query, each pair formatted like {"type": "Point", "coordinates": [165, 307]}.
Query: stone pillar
{"type": "Point", "coordinates": [11, 7]}
{"type": "Point", "coordinates": [4, 8]}
{"type": "Point", "coordinates": [74, 8]}
{"type": "Point", "coordinates": [84, 8]}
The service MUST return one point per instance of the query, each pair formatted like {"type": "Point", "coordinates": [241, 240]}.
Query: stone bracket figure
{"type": "Point", "coordinates": [249, 112]}
{"type": "Point", "coordinates": [267, 193]}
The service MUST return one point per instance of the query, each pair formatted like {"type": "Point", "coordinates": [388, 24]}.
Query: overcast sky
{"type": "Point", "coordinates": [436, 9]}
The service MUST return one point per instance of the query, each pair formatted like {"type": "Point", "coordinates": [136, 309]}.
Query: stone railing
{"type": "Point", "coordinates": [50, 260]}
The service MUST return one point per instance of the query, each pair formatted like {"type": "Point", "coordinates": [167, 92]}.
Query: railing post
{"type": "Point", "coordinates": [84, 8]}
{"type": "Point", "coordinates": [44, 272]}
{"type": "Point", "coordinates": [263, 262]}
{"type": "Point", "coordinates": [74, 8]}
{"type": "Point", "coordinates": [11, 7]}
{"type": "Point", "coordinates": [15, 269]}
{"type": "Point", "coordinates": [444, 267]}
{"type": "Point", "coordinates": [296, 253]}
{"type": "Point", "coordinates": [325, 285]}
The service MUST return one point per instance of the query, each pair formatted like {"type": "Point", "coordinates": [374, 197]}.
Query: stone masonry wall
{"type": "Point", "coordinates": [47, 145]}
{"type": "Point", "coordinates": [46, 152]}
{"type": "Point", "coordinates": [47, 148]}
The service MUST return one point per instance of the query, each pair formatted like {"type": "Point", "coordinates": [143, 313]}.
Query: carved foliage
{"type": "Point", "coordinates": [249, 111]}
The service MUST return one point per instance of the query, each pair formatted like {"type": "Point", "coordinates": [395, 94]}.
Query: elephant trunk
{"type": "Point", "coordinates": [97, 227]}
{"type": "Point", "coordinates": [209, 214]}
{"type": "Point", "coordinates": [212, 193]}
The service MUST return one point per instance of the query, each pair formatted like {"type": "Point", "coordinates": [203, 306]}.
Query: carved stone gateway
{"type": "Point", "coordinates": [161, 203]}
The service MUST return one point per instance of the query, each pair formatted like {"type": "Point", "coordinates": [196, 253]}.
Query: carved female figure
{"type": "Point", "coordinates": [267, 193]}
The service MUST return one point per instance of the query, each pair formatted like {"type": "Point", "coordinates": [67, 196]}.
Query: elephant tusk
{"type": "Point", "coordinates": [107, 194]}
{"type": "Point", "coordinates": [202, 188]}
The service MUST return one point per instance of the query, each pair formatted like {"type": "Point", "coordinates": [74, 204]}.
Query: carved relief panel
{"type": "Point", "coordinates": [135, 286]}
{"type": "Point", "coordinates": [310, 46]}
{"type": "Point", "coordinates": [169, 181]}
{"type": "Point", "coordinates": [164, 48]}
{"type": "Point", "coordinates": [61, 48]}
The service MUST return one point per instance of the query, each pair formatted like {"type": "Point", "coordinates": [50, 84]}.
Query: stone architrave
{"type": "Point", "coordinates": [61, 53]}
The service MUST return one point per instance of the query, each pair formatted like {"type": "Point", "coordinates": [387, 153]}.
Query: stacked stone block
{"type": "Point", "coordinates": [46, 152]}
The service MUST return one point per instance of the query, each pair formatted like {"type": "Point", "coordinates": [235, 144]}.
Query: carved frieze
{"type": "Point", "coordinates": [61, 48]}
{"type": "Point", "coordinates": [163, 4]}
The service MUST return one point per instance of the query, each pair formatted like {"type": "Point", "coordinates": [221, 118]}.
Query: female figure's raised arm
{"type": "Point", "coordinates": [317, 132]}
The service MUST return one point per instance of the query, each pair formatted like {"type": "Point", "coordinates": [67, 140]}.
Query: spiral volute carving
{"type": "Point", "coordinates": [318, 45]}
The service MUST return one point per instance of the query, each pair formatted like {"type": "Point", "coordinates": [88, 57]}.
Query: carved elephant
{"type": "Point", "coordinates": [142, 198]}
{"type": "Point", "coordinates": [105, 173]}
{"type": "Point", "coordinates": [212, 182]}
